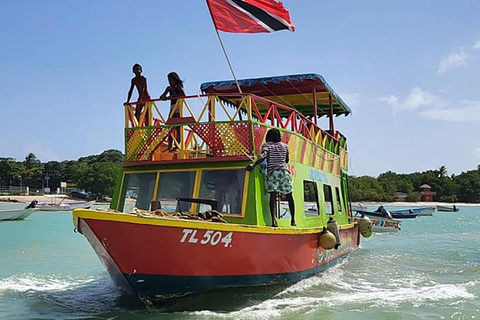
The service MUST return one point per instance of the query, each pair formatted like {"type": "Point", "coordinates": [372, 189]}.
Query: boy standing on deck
{"type": "Point", "coordinates": [139, 82]}
{"type": "Point", "coordinates": [278, 179]}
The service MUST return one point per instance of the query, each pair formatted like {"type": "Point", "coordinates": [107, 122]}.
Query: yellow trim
{"type": "Point", "coordinates": [196, 224]}
{"type": "Point", "coordinates": [155, 188]}
{"type": "Point", "coordinates": [196, 187]}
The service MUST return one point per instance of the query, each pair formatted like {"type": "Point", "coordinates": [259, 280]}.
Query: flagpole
{"type": "Point", "coordinates": [228, 60]}
{"type": "Point", "coordinates": [223, 48]}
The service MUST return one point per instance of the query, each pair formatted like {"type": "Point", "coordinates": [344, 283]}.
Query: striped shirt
{"type": "Point", "coordinates": [277, 155]}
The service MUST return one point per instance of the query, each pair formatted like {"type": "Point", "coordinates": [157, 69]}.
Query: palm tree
{"type": "Point", "coordinates": [442, 172]}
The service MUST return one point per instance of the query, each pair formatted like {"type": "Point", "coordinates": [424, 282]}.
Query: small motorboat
{"type": "Point", "coordinates": [18, 214]}
{"type": "Point", "coordinates": [381, 212]}
{"type": "Point", "coordinates": [448, 208]}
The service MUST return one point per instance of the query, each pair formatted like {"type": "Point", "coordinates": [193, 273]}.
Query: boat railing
{"type": "Point", "coordinates": [220, 128]}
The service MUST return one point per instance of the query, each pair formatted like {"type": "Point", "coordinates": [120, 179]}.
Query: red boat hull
{"type": "Point", "coordinates": [164, 258]}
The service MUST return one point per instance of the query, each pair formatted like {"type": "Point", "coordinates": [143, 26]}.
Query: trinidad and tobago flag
{"type": "Point", "coordinates": [249, 16]}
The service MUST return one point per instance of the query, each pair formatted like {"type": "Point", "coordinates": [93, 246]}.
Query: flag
{"type": "Point", "coordinates": [249, 16]}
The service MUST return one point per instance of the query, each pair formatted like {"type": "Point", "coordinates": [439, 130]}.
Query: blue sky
{"type": "Point", "coordinates": [410, 71]}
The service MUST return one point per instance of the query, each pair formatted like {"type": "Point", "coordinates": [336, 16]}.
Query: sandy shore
{"type": "Point", "coordinates": [28, 199]}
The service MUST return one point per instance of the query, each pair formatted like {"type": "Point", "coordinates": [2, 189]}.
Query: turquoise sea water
{"type": "Point", "coordinates": [429, 270]}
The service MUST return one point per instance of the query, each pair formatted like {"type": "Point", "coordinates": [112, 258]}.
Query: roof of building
{"type": "Point", "coordinates": [425, 186]}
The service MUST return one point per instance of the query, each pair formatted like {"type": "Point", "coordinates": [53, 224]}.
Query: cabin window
{"type": "Point", "coordinates": [339, 200]}
{"type": "Point", "coordinates": [310, 198]}
{"type": "Point", "coordinates": [137, 191]}
{"type": "Point", "coordinates": [173, 185]}
{"type": "Point", "coordinates": [226, 186]}
{"type": "Point", "coordinates": [327, 192]}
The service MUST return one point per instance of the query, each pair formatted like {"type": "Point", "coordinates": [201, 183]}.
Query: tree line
{"type": "Point", "coordinates": [464, 187]}
{"type": "Point", "coordinates": [95, 173]}
{"type": "Point", "coordinates": [98, 174]}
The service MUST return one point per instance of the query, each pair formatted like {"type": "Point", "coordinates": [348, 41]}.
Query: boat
{"type": "Point", "coordinates": [15, 214]}
{"type": "Point", "coordinates": [18, 214]}
{"type": "Point", "coordinates": [420, 211]}
{"type": "Point", "coordinates": [381, 212]}
{"type": "Point", "coordinates": [381, 225]}
{"type": "Point", "coordinates": [58, 202]}
{"type": "Point", "coordinates": [448, 208]}
{"type": "Point", "coordinates": [186, 221]}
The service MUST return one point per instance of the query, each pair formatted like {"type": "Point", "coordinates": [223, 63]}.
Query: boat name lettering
{"type": "Point", "coordinates": [209, 237]}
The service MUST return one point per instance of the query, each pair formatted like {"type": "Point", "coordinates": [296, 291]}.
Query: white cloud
{"type": "Point", "coordinates": [454, 60]}
{"type": "Point", "coordinates": [477, 45]}
{"type": "Point", "coordinates": [469, 113]}
{"type": "Point", "coordinates": [417, 98]}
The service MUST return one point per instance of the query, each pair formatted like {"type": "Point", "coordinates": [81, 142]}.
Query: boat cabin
{"type": "Point", "coordinates": [218, 133]}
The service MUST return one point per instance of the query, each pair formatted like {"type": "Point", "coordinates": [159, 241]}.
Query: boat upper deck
{"type": "Point", "coordinates": [222, 124]}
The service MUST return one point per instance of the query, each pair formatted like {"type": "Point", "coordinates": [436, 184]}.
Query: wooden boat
{"type": "Point", "coordinates": [162, 237]}
{"type": "Point", "coordinates": [58, 202]}
{"type": "Point", "coordinates": [420, 211]}
{"type": "Point", "coordinates": [448, 208]}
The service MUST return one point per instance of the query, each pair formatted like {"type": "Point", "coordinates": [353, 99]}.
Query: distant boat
{"type": "Point", "coordinates": [18, 214]}
{"type": "Point", "coordinates": [384, 224]}
{"type": "Point", "coordinates": [62, 205]}
{"type": "Point", "coordinates": [447, 208]}
{"type": "Point", "coordinates": [420, 211]}
{"type": "Point", "coordinates": [381, 212]}
{"type": "Point", "coordinates": [15, 214]}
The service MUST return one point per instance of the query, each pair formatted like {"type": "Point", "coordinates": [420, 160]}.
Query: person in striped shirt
{"type": "Point", "coordinates": [278, 179]}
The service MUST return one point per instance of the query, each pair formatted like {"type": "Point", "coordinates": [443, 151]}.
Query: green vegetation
{"type": "Point", "coordinates": [96, 173]}
{"type": "Point", "coordinates": [462, 188]}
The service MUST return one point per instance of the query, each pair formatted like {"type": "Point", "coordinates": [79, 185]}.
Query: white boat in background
{"type": "Point", "coordinates": [447, 208]}
{"type": "Point", "coordinates": [15, 214]}
{"type": "Point", "coordinates": [18, 214]}
{"type": "Point", "coordinates": [62, 205]}
{"type": "Point", "coordinates": [420, 211]}
{"type": "Point", "coordinates": [385, 225]}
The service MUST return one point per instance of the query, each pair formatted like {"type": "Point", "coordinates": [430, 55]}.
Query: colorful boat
{"type": "Point", "coordinates": [382, 225]}
{"type": "Point", "coordinates": [194, 220]}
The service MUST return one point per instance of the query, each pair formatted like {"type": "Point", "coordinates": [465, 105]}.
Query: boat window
{"type": "Point", "coordinates": [310, 198]}
{"type": "Point", "coordinates": [137, 191]}
{"type": "Point", "coordinates": [226, 186]}
{"type": "Point", "coordinates": [327, 192]}
{"type": "Point", "coordinates": [173, 185]}
{"type": "Point", "coordinates": [339, 200]}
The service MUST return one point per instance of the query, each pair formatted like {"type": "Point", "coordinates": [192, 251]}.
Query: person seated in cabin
{"type": "Point", "coordinates": [278, 178]}
{"type": "Point", "coordinates": [139, 82]}
{"type": "Point", "coordinates": [173, 90]}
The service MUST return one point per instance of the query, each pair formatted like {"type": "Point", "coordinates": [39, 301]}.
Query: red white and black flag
{"type": "Point", "coordinates": [249, 16]}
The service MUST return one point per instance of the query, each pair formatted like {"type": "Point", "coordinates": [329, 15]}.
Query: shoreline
{"type": "Point", "coordinates": [42, 198]}
{"type": "Point", "coordinates": [416, 204]}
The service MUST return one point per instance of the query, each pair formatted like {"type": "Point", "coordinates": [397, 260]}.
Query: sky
{"type": "Point", "coordinates": [409, 70]}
